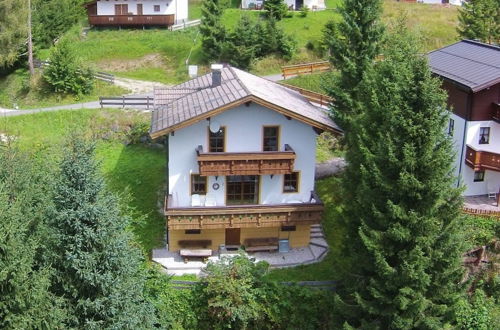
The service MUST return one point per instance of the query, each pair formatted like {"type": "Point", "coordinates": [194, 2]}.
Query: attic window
{"type": "Point", "coordinates": [271, 138]}
{"type": "Point", "coordinates": [217, 140]}
{"type": "Point", "coordinates": [157, 8]}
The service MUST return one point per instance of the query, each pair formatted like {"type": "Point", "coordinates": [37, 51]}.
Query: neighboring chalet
{"type": "Point", "coordinates": [139, 13]}
{"type": "Point", "coordinates": [241, 162]}
{"type": "Point", "coordinates": [292, 4]}
{"type": "Point", "coordinates": [471, 75]}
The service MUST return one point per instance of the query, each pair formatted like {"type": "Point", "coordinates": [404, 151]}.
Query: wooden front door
{"type": "Point", "coordinates": [121, 9]}
{"type": "Point", "coordinates": [139, 9]}
{"type": "Point", "coordinates": [233, 236]}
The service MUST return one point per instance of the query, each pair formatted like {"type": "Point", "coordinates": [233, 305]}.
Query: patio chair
{"type": "Point", "coordinates": [195, 200]}
{"type": "Point", "coordinates": [492, 190]}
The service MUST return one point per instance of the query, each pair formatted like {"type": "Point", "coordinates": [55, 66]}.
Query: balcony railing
{"type": "Point", "coordinates": [244, 216]}
{"type": "Point", "coordinates": [131, 20]}
{"type": "Point", "coordinates": [481, 160]}
{"type": "Point", "coordinates": [246, 163]}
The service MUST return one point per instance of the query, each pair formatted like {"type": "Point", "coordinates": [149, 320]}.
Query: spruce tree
{"type": "Point", "coordinates": [213, 34]}
{"type": "Point", "coordinates": [353, 44]}
{"type": "Point", "coordinates": [275, 9]}
{"type": "Point", "coordinates": [480, 20]}
{"type": "Point", "coordinates": [239, 48]}
{"type": "Point", "coordinates": [98, 271]}
{"type": "Point", "coordinates": [405, 216]}
{"type": "Point", "coordinates": [25, 300]}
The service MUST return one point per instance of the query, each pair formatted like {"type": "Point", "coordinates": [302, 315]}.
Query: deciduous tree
{"type": "Point", "coordinates": [13, 30]}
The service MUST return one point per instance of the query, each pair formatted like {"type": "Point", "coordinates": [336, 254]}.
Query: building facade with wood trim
{"type": "Point", "coordinates": [470, 73]}
{"type": "Point", "coordinates": [136, 13]}
{"type": "Point", "coordinates": [241, 160]}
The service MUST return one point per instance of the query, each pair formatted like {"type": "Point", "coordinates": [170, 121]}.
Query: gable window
{"type": "Point", "coordinates": [157, 8]}
{"type": "Point", "coordinates": [121, 9]}
{"type": "Point", "coordinates": [271, 138]}
{"type": "Point", "coordinates": [478, 176]}
{"type": "Point", "coordinates": [198, 184]}
{"type": "Point", "coordinates": [291, 182]}
{"type": "Point", "coordinates": [484, 135]}
{"type": "Point", "coordinates": [216, 141]}
{"type": "Point", "coordinates": [451, 127]}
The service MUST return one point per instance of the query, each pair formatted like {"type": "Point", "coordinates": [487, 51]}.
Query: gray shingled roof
{"type": "Point", "coordinates": [196, 98]}
{"type": "Point", "coordinates": [469, 63]}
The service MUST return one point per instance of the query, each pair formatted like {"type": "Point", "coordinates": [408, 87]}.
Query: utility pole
{"type": "Point", "coordinates": [30, 42]}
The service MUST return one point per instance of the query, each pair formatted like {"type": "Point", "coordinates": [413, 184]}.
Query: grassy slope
{"type": "Point", "coordinates": [125, 52]}
{"type": "Point", "coordinates": [12, 92]}
{"type": "Point", "coordinates": [135, 172]}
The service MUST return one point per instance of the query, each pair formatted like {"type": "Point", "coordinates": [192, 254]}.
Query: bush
{"type": "Point", "coordinates": [304, 10]}
{"type": "Point", "coordinates": [473, 313]}
{"type": "Point", "coordinates": [480, 230]}
{"type": "Point", "coordinates": [65, 73]}
{"type": "Point", "coordinates": [275, 9]}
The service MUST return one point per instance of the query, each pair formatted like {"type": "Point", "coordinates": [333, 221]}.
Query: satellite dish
{"type": "Point", "coordinates": [214, 126]}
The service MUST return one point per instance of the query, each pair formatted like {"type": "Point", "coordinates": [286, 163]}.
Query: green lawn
{"type": "Point", "coordinates": [135, 172]}
{"type": "Point", "coordinates": [14, 91]}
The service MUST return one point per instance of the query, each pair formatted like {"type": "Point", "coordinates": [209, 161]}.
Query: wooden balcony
{"type": "Point", "coordinates": [244, 216]}
{"type": "Point", "coordinates": [131, 20]}
{"type": "Point", "coordinates": [482, 160]}
{"type": "Point", "coordinates": [246, 163]}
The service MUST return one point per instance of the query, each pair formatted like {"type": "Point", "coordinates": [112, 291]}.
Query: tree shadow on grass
{"type": "Point", "coordinates": [137, 174]}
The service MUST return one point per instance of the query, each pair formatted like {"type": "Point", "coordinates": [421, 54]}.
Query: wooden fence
{"type": "Point", "coordinates": [481, 213]}
{"type": "Point", "coordinates": [321, 99]}
{"type": "Point", "coordinates": [306, 68]}
{"type": "Point", "coordinates": [107, 77]}
{"type": "Point", "coordinates": [318, 285]}
{"type": "Point", "coordinates": [126, 101]}
{"type": "Point", "coordinates": [184, 25]}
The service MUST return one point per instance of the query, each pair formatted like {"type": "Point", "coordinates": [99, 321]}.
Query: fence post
{"type": "Point", "coordinates": [100, 101]}
{"type": "Point", "coordinates": [123, 101]}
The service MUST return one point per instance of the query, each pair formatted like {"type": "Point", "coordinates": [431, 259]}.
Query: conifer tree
{"type": "Point", "coordinates": [25, 300]}
{"type": "Point", "coordinates": [480, 19]}
{"type": "Point", "coordinates": [276, 9]}
{"type": "Point", "coordinates": [404, 219]}
{"type": "Point", "coordinates": [353, 44]}
{"type": "Point", "coordinates": [98, 271]}
{"type": "Point", "coordinates": [213, 34]}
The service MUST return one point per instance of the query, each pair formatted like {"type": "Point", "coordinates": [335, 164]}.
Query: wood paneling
{"type": "Point", "coordinates": [215, 235]}
{"type": "Point", "coordinates": [246, 163]}
{"type": "Point", "coordinates": [298, 238]}
{"type": "Point", "coordinates": [457, 98]}
{"type": "Point", "coordinates": [482, 160]}
{"type": "Point", "coordinates": [244, 216]}
{"type": "Point", "coordinates": [131, 20]}
{"type": "Point", "coordinates": [483, 104]}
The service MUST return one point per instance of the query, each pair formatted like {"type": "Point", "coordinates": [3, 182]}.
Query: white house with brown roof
{"type": "Point", "coordinates": [241, 160]}
{"type": "Point", "coordinates": [470, 72]}
{"type": "Point", "coordinates": [137, 12]}
{"type": "Point", "coordinates": [292, 4]}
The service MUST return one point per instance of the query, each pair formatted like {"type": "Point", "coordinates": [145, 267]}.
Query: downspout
{"type": "Point", "coordinates": [167, 187]}
{"type": "Point", "coordinates": [467, 117]}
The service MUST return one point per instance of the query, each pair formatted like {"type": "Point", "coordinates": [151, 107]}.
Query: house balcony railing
{"type": "Point", "coordinates": [245, 163]}
{"type": "Point", "coordinates": [481, 160]}
{"type": "Point", "coordinates": [244, 216]}
{"type": "Point", "coordinates": [131, 20]}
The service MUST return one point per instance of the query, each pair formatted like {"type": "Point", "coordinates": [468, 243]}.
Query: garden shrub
{"type": "Point", "coordinates": [65, 74]}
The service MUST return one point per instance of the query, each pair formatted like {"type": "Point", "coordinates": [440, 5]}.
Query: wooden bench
{"type": "Point", "coordinates": [197, 253]}
{"type": "Point", "coordinates": [195, 243]}
{"type": "Point", "coordinates": [261, 244]}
